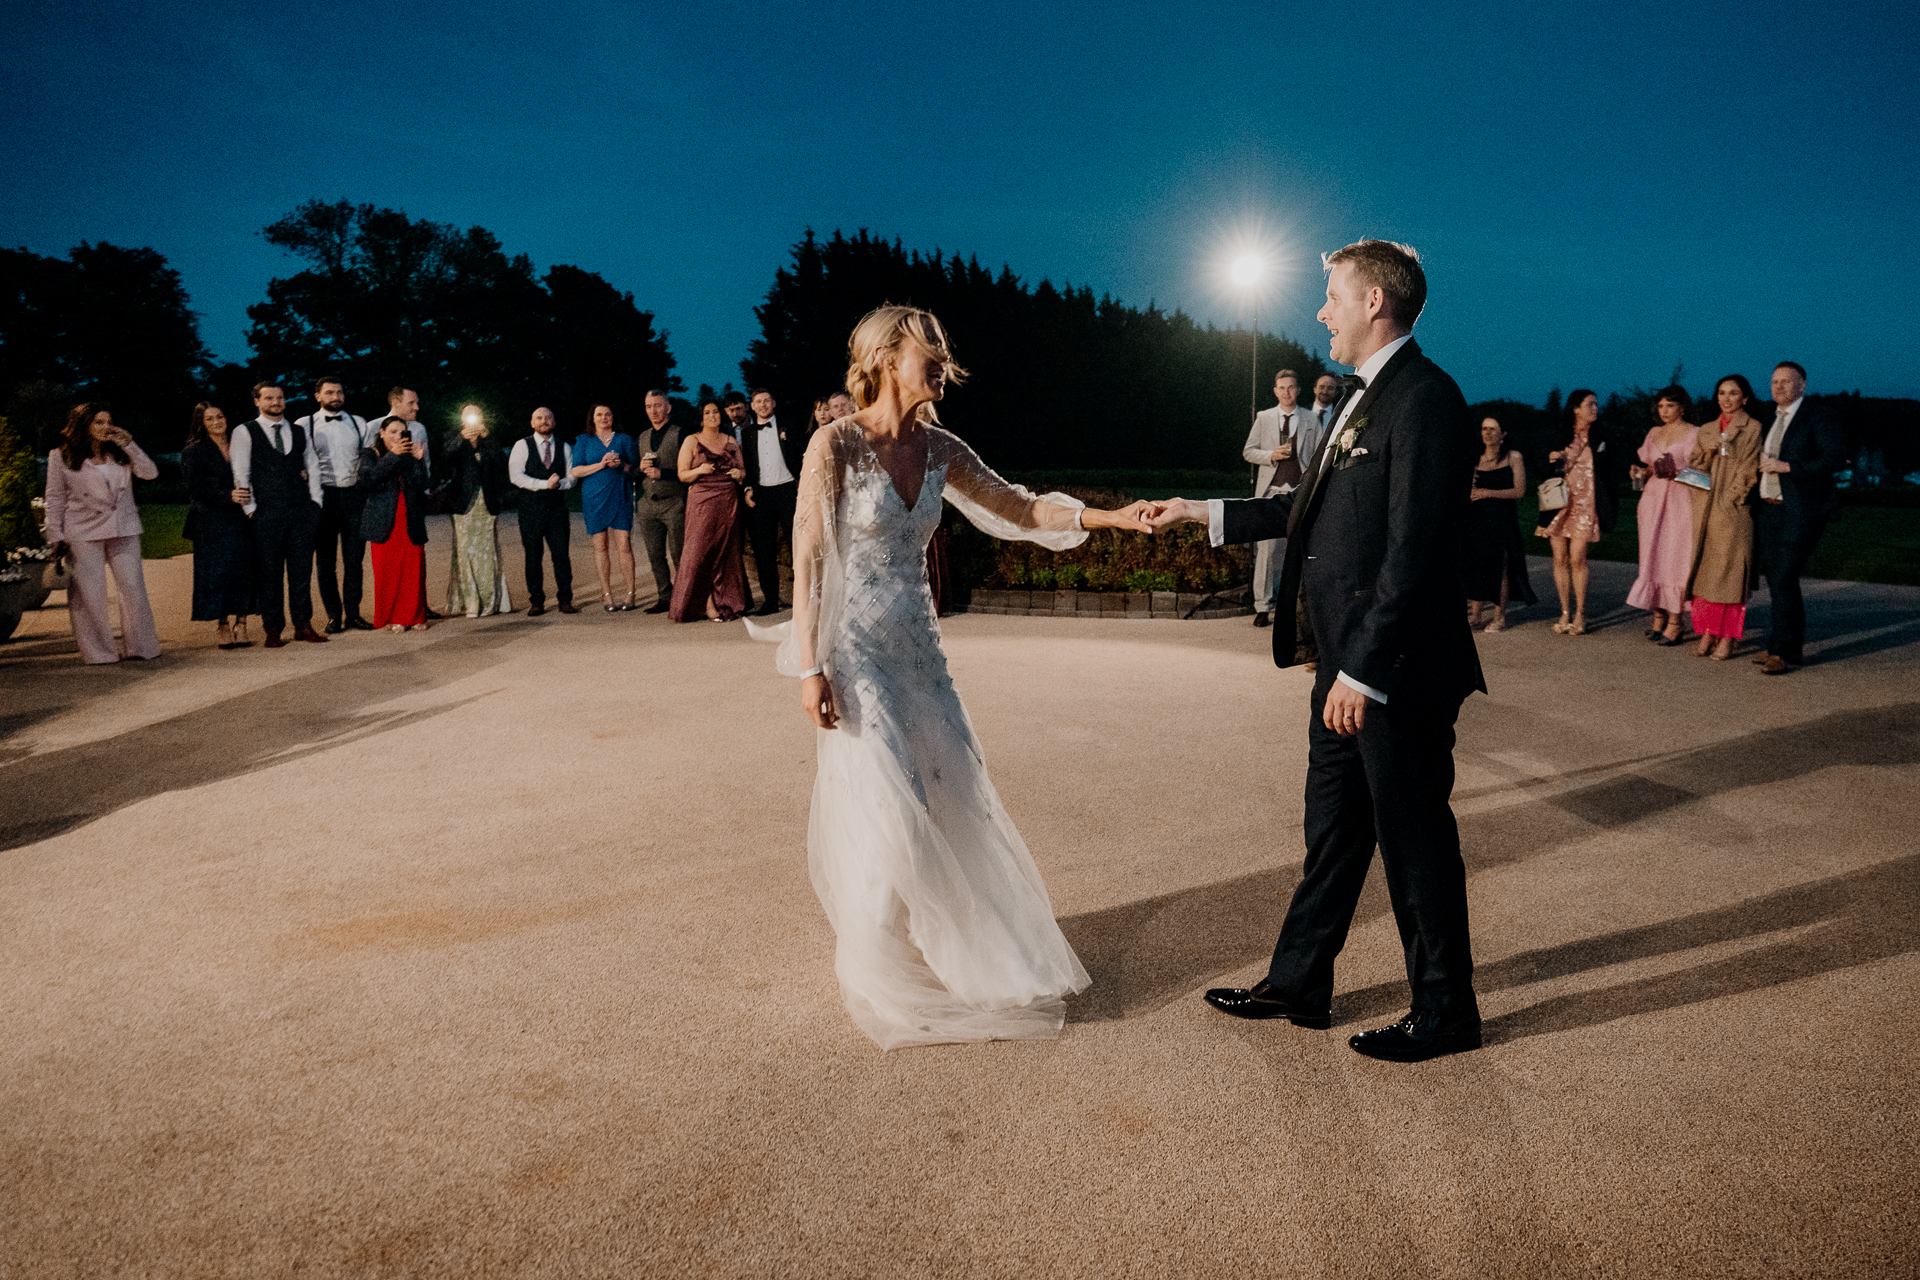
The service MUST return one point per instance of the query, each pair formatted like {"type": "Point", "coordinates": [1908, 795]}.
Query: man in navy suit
{"type": "Point", "coordinates": [1373, 536]}
{"type": "Point", "coordinates": [1799, 454]}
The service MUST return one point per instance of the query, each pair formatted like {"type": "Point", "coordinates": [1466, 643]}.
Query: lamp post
{"type": "Point", "coordinates": [1246, 274]}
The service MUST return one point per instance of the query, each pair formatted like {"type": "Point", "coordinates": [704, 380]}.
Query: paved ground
{"type": "Point", "coordinates": [491, 952]}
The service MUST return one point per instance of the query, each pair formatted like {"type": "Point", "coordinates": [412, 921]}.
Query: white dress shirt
{"type": "Point", "coordinates": [773, 463]}
{"type": "Point", "coordinates": [521, 454]}
{"type": "Point", "coordinates": [337, 439]}
{"type": "Point", "coordinates": [1217, 508]}
{"type": "Point", "coordinates": [1776, 434]}
{"type": "Point", "coordinates": [240, 452]}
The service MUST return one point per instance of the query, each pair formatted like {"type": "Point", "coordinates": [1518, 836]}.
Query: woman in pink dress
{"type": "Point", "coordinates": [711, 580]}
{"type": "Point", "coordinates": [1665, 516]}
{"type": "Point", "coordinates": [1577, 525]}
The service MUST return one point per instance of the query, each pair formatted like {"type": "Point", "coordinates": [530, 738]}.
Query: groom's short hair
{"type": "Point", "coordinates": [1392, 268]}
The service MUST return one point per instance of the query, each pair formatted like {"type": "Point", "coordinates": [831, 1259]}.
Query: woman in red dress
{"type": "Point", "coordinates": [711, 578]}
{"type": "Point", "coordinates": [395, 524]}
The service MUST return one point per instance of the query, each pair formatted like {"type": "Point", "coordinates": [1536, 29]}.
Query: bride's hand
{"type": "Point", "coordinates": [1133, 516]}
{"type": "Point", "coordinates": [816, 698]}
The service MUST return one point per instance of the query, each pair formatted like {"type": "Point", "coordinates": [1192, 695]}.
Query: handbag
{"type": "Point", "coordinates": [1695, 479]}
{"type": "Point", "coordinates": [1553, 493]}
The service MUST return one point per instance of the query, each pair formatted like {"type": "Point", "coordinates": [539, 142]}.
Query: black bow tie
{"type": "Point", "coordinates": [334, 417]}
{"type": "Point", "coordinates": [1354, 382]}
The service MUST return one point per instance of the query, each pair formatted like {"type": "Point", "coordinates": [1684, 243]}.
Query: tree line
{"type": "Point", "coordinates": [1061, 379]}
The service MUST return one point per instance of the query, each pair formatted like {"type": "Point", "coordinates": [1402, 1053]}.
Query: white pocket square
{"type": "Point", "coordinates": [1356, 453]}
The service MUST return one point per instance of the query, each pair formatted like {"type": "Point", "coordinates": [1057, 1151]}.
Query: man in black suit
{"type": "Point", "coordinates": [1373, 535]}
{"type": "Point", "coordinates": [1799, 454]}
{"type": "Point", "coordinates": [771, 454]}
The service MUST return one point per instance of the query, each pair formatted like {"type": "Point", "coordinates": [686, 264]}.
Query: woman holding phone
{"type": "Point", "coordinates": [394, 524]}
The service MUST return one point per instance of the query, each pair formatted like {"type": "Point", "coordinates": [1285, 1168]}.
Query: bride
{"type": "Point", "coordinates": [945, 932]}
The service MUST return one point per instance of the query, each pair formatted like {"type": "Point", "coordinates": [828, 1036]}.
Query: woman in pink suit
{"type": "Point", "coordinates": [1665, 517]}
{"type": "Point", "coordinates": [92, 520]}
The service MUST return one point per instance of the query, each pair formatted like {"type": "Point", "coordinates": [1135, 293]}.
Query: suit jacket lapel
{"type": "Point", "coordinates": [1323, 458]}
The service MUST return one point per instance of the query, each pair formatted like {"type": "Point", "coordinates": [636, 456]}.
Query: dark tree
{"type": "Point", "coordinates": [387, 299]}
{"type": "Point", "coordinates": [104, 323]}
{"type": "Point", "coordinates": [1059, 378]}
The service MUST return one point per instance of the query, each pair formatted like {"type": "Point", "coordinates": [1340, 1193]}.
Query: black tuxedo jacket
{"type": "Point", "coordinates": [793, 445]}
{"type": "Point", "coordinates": [1373, 539]}
{"type": "Point", "coordinates": [1815, 447]}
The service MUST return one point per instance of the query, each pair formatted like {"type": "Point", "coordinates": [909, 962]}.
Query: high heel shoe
{"type": "Point", "coordinates": [1579, 627]}
{"type": "Point", "coordinates": [1563, 626]}
{"type": "Point", "coordinates": [606, 602]}
{"type": "Point", "coordinates": [1723, 650]}
{"type": "Point", "coordinates": [1705, 647]}
{"type": "Point", "coordinates": [627, 607]}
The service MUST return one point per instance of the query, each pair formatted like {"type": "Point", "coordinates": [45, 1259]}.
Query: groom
{"type": "Point", "coordinates": [1373, 533]}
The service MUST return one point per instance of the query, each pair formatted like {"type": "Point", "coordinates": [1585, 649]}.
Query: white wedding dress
{"type": "Point", "coordinates": [945, 932]}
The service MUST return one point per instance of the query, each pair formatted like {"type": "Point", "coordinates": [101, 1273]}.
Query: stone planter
{"type": "Point", "coordinates": [13, 603]}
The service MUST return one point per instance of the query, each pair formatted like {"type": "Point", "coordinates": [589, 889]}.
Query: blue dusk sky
{"type": "Point", "coordinates": [1600, 191]}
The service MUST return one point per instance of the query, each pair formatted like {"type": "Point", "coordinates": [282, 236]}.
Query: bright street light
{"type": "Point", "coordinates": [1246, 270]}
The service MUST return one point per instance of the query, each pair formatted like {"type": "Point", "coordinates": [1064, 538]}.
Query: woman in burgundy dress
{"type": "Point", "coordinates": [711, 578]}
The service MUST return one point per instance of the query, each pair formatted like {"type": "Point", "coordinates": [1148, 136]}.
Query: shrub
{"type": "Point", "coordinates": [19, 485]}
{"type": "Point", "coordinates": [1109, 560]}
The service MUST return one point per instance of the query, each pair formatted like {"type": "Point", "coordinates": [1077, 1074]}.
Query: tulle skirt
{"type": "Point", "coordinates": [945, 932]}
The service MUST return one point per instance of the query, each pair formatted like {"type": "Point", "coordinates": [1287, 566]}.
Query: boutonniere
{"type": "Point", "coordinates": [1344, 445]}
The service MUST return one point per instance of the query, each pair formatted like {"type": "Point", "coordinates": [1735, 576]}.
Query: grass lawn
{"type": "Point", "coordinates": [160, 530]}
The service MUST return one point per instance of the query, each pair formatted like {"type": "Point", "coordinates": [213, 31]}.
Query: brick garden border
{"type": "Point", "coordinates": [1236, 602]}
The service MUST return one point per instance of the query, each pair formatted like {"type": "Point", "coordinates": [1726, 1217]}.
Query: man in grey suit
{"type": "Point", "coordinates": [1274, 447]}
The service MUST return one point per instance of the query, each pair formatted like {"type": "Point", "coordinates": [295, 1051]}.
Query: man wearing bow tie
{"type": "Point", "coordinates": [772, 457]}
{"type": "Point", "coordinates": [338, 437]}
{"type": "Point", "coordinates": [275, 466]}
{"type": "Point", "coordinates": [1373, 537]}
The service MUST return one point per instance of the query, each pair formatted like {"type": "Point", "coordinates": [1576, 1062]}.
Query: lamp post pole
{"type": "Point", "coordinates": [1253, 396]}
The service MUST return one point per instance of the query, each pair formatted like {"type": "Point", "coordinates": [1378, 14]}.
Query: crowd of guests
{"type": "Point", "coordinates": [1723, 504]}
{"type": "Point", "coordinates": [279, 507]}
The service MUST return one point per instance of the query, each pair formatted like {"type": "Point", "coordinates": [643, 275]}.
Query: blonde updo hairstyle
{"type": "Point", "coordinates": [873, 352]}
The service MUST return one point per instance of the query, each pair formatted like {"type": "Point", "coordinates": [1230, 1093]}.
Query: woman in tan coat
{"type": "Point", "coordinates": [1729, 452]}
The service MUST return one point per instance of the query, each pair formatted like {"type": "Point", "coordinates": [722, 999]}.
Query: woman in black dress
{"type": "Point", "coordinates": [222, 538]}
{"type": "Point", "coordinates": [1495, 568]}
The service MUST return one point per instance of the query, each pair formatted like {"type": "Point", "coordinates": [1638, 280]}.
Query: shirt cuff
{"type": "Point", "coordinates": [1369, 690]}
{"type": "Point", "coordinates": [1216, 522]}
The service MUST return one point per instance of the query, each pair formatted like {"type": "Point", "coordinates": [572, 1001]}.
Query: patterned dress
{"type": "Point", "coordinates": [479, 583]}
{"type": "Point", "coordinates": [1579, 519]}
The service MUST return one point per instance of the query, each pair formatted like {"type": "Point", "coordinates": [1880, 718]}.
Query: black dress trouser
{"type": "Point", "coordinates": [770, 516]}
{"type": "Point", "coordinates": [548, 525]}
{"type": "Point", "coordinates": [1785, 547]}
{"type": "Point", "coordinates": [283, 564]}
{"type": "Point", "coordinates": [1390, 784]}
{"type": "Point", "coordinates": [339, 534]}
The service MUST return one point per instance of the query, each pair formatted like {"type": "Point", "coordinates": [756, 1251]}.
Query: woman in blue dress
{"type": "Point", "coordinates": [603, 463]}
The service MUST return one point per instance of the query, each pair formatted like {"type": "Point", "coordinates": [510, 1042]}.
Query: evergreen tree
{"type": "Point", "coordinates": [1059, 378]}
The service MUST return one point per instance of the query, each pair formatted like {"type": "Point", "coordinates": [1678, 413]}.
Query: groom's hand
{"type": "Point", "coordinates": [1173, 511]}
{"type": "Point", "coordinates": [1346, 709]}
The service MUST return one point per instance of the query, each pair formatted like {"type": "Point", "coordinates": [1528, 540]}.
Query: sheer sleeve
{"type": "Point", "coordinates": [817, 585]}
{"type": "Point", "coordinates": [1001, 508]}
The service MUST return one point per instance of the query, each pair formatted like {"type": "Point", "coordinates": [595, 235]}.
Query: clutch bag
{"type": "Point", "coordinates": [1694, 479]}
{"type": "Point", "coordinates": [1553, 493]}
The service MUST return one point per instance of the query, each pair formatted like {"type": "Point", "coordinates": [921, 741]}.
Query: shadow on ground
{"type": "Point", "coordinates": [1143, 954]}
{"type": "Point", "coordinates": [56, 791]}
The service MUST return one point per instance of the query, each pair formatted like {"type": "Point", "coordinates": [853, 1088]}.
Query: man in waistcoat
{"type": "Point", "coordinates": [275, 466]}
{"type": "Point", "coordinates": [541, 467]}
{"type": "Point", "coordinates": [338, 437]}
{"type": "Point", "coordinates": [660, 518]}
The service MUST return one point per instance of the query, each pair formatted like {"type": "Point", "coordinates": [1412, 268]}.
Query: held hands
{"type": "Point", "coordinates": [1173, 511]}
{"type": "Point", "coordinates": [1131, 516]}
{"type": "Point", "coordinates": [816, 698]}
{"type": "Point", "coordinates": [553, 482]}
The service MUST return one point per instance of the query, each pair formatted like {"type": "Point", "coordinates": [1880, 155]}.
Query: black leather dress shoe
{"type": "Point", "coordinates": [1263, 619]}
{"type": "Point", "coordinates": [333, 627]}
{"type": "Point", "coordinates": [767, 610]}
{"type": "Point", "coordinates": [658, 606]}
{"type": "Point", "coordinates": [535, 610]}
{"type": "Point", "coordinates": [433, 615]}
{"type": "Point", "coordinates": [1420, 1036]}
{"type": "Point", "coordinates": [1261, 1002]}
{"type": "Point", "coordinates": [358, 623]}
